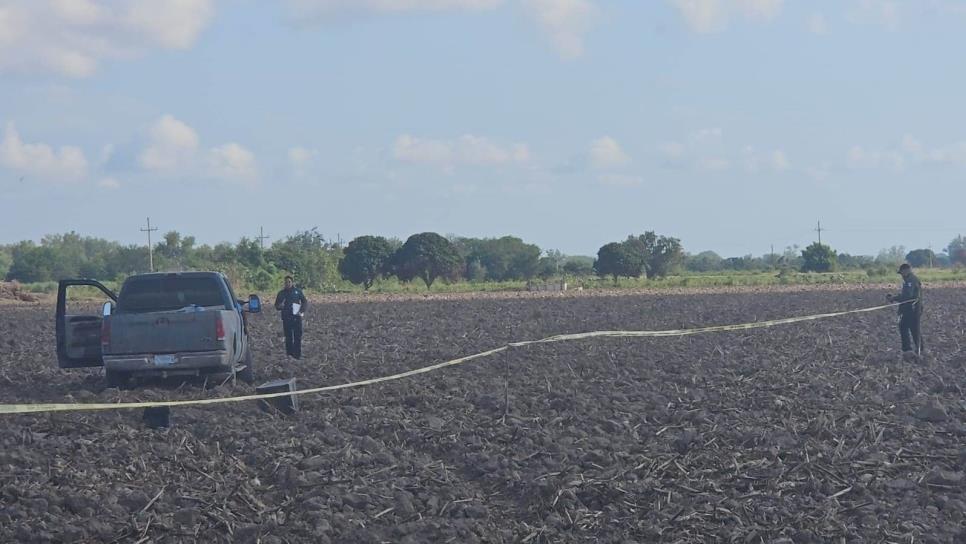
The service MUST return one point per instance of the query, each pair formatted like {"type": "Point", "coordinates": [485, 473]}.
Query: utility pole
{"type": "Point", "coordinates": [930, 255]}
{"type": "Point", "coordinates": [819, 230]}
{"type": "Point", "coordinates": [149, 230]}
{"type": "Point", "coordinates": [261, 238]}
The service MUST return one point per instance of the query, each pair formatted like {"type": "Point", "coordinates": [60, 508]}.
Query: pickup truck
{"type": "Point", "coordinates": [160, 324]}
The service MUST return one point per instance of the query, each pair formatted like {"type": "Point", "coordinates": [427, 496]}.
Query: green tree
{"type": "Point", "coordinates": [6, 259]}
{"type": "Point", "coordinates": [579, 266]}
{"type": "Point", "coordinates": [893, 256]}
{"type": "Point", "coordinates": [547, 268]}
{"type": "Point", "coordinates": [309, 257]}
{"type": "Point", "coordinates": [791, 257]}
{"type": "Point", "coordinates": [660, 254]}
{"type": "Point", "coordinates": [475, 271]}
{"type": "Point", "coordinates": [428, 256]}
{"type": "Point", "coordinates": [506, 258]}
{"type": "Point", "coordinates": [550, 264]}
{"type": "Point", "coordinates": [618, 259]}
{"type": "Point", "coordinates": [126, 261]}
{"type": "Point", "coordinates": [921, 258]}
{"type": "Point", "coordinates": [818, 258]}
{"type": "Point", "coordinates": [706, 261]}
{"type": "Point", "coordinates": [249, 252]}
{"type": "Point", "coordinates": [957, 250]}
{"type": "Point", "coordinates": [853, 262]}
{"type": "Point", "coordinates": [365, 259]}
{"type": "Point", "coordinates": [744, 263]}
{"type": "Point", "coordinates": [32, 263]}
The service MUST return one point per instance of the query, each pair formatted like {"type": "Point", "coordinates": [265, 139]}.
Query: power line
{"type": "Point", "coordinates": [149, 230]}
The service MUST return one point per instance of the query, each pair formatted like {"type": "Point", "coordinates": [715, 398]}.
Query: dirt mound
{"type": "Point", "coordinates": [12, 290]}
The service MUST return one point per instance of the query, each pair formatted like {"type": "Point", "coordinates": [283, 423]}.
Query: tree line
{"type": "Point", "coordinates": [322, 264]}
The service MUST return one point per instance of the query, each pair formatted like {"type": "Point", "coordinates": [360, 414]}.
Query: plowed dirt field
{"type": "Point", "coordinates": [812, 432]}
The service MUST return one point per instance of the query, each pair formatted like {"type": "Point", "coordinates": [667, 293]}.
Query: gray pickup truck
{"type": "Point", "coordinates": [160, 324]}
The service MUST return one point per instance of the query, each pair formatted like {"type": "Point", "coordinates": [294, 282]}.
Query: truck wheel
{"type": "Point", "coordinates": [116, 378]}
{"type": "Point", "coordinates": [247, 374]}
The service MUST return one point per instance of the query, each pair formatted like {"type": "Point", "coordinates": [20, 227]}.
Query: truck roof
{"type": "Point", "coordinates": [154, 275]}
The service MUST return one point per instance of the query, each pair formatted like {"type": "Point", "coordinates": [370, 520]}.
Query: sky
{"type": "Point", "coordinates": [734, 125]}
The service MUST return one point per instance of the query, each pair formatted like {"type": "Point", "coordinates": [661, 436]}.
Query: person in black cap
{"type": "Point", "coordinates": [291, 302]}
{"type": "Point", "coordinates": [910, 310]}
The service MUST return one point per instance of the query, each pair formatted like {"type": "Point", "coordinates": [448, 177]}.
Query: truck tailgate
{"type": "Point", "coordinates": [164, 332]}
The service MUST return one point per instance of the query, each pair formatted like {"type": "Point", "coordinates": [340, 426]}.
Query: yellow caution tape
{"type": "Point", "coordinates": [77, 407]}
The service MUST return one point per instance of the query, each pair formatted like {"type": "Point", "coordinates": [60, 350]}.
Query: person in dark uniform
{"type": "Point", "coordinates": [910, 313]}
{"type": "Point", "coordinates": [291, 302]}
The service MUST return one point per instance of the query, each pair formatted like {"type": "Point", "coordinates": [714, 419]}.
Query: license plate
{"type": "Point", "coordinates": [164, 360]}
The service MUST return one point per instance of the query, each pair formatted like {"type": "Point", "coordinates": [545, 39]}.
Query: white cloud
{"type": "Point", "coordinates": [756, 161]}
{"type": "Point", "coordinates": [621, 180]}
{"type": "Point", "coordinates": [672, 151]}
{"type": "Point", "coordinates": [817, 24]}
{"type": "Point", "coordinates": [950, 154]}
{"type": "Point", "coordinates": [109, 183]}
{"type": "Point", "coordinates": [714, 164]}
{"type": "Point", "coordinates": [300, 155]}
{"type": "Point", "coordinates": [708, 150]}
{"type": "Point", "coordinates": [412, 149]}
{"type": "Point", "coordinates": [880, 12]}
{"type": "Point", "coordinates": [706, 135]}
{"type": "Point", "coordinates": [605, 152]}
{"type": "Point", "coordinates": [706, 16]}
{"type": "Point", "coordinates": [859, 157]}
{"type": "Point", "coordinates": [565, 22]}
{"type": "Point", "coordinates": [915, 151]}
{"type": "Point", "coordinates": [71, 37]}
{"type": "Point", "coordinates": [233, 163]}
{"type": "Point", "coordinates": [67, 163]}
{"type": "Point", "coordinates": [325, 8]}
{"type": "Point", "coordinates": [467, 149]}
{"type": "Point", "coordinates": [301, 158]}
{"type": "Point", "coordinates": [171, 145]}
{"type": "Point", "coordinates": [779, 162]}
{"type": "Point", "coordinates": [907, 153]}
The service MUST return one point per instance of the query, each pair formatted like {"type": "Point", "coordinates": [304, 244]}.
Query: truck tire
{"type": "Point", "coordinates": [116, 378]}
{"type": "Point", "coordinates": [247, 374]}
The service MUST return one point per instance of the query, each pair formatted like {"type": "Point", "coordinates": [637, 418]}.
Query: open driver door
{"type": "Point", "coordinates": [79, 332]}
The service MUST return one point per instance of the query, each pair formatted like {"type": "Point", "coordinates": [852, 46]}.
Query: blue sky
{"type": "Point", "coordinates": [734, 125]}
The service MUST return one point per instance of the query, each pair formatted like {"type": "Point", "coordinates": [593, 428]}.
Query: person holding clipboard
{"type": "Point", "coordinates": [291, 302]}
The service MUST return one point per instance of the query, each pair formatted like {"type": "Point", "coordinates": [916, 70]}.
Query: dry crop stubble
{"type": "Point", "coordinates": [806, 432]}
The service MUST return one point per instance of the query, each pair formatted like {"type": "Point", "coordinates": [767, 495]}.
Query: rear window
{"type": "Point", "coordinates": [169, 293]}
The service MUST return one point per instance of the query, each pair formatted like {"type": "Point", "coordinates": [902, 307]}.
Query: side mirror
{"type": "Point", "coordinates": [108, 308]}
{"type": "Point", "coordinates": [254, 304]}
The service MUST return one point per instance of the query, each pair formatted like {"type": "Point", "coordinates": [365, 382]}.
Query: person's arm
{"type": "Point", "coordinates": [303, 302]}
{"type": "Point", "coordinates": [279, 302]}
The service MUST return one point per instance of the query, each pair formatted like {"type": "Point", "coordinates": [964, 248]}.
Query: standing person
{"type": "Point", "coordinates": [291, 302]}
{"type": "Point", "coordinates": [910, 313]}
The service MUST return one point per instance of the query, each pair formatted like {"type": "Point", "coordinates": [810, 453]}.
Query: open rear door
{"type": "Point", "coordinates": [79, 327]}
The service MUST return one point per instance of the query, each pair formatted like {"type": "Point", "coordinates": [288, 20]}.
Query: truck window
{"type": "Point", "coordinates": [169, 293]}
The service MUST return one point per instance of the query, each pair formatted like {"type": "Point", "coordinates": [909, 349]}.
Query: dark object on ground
{"type": "Point", "coordinates": [288, 404]}
{"type": "Point", "coordinates": [157, 417]}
